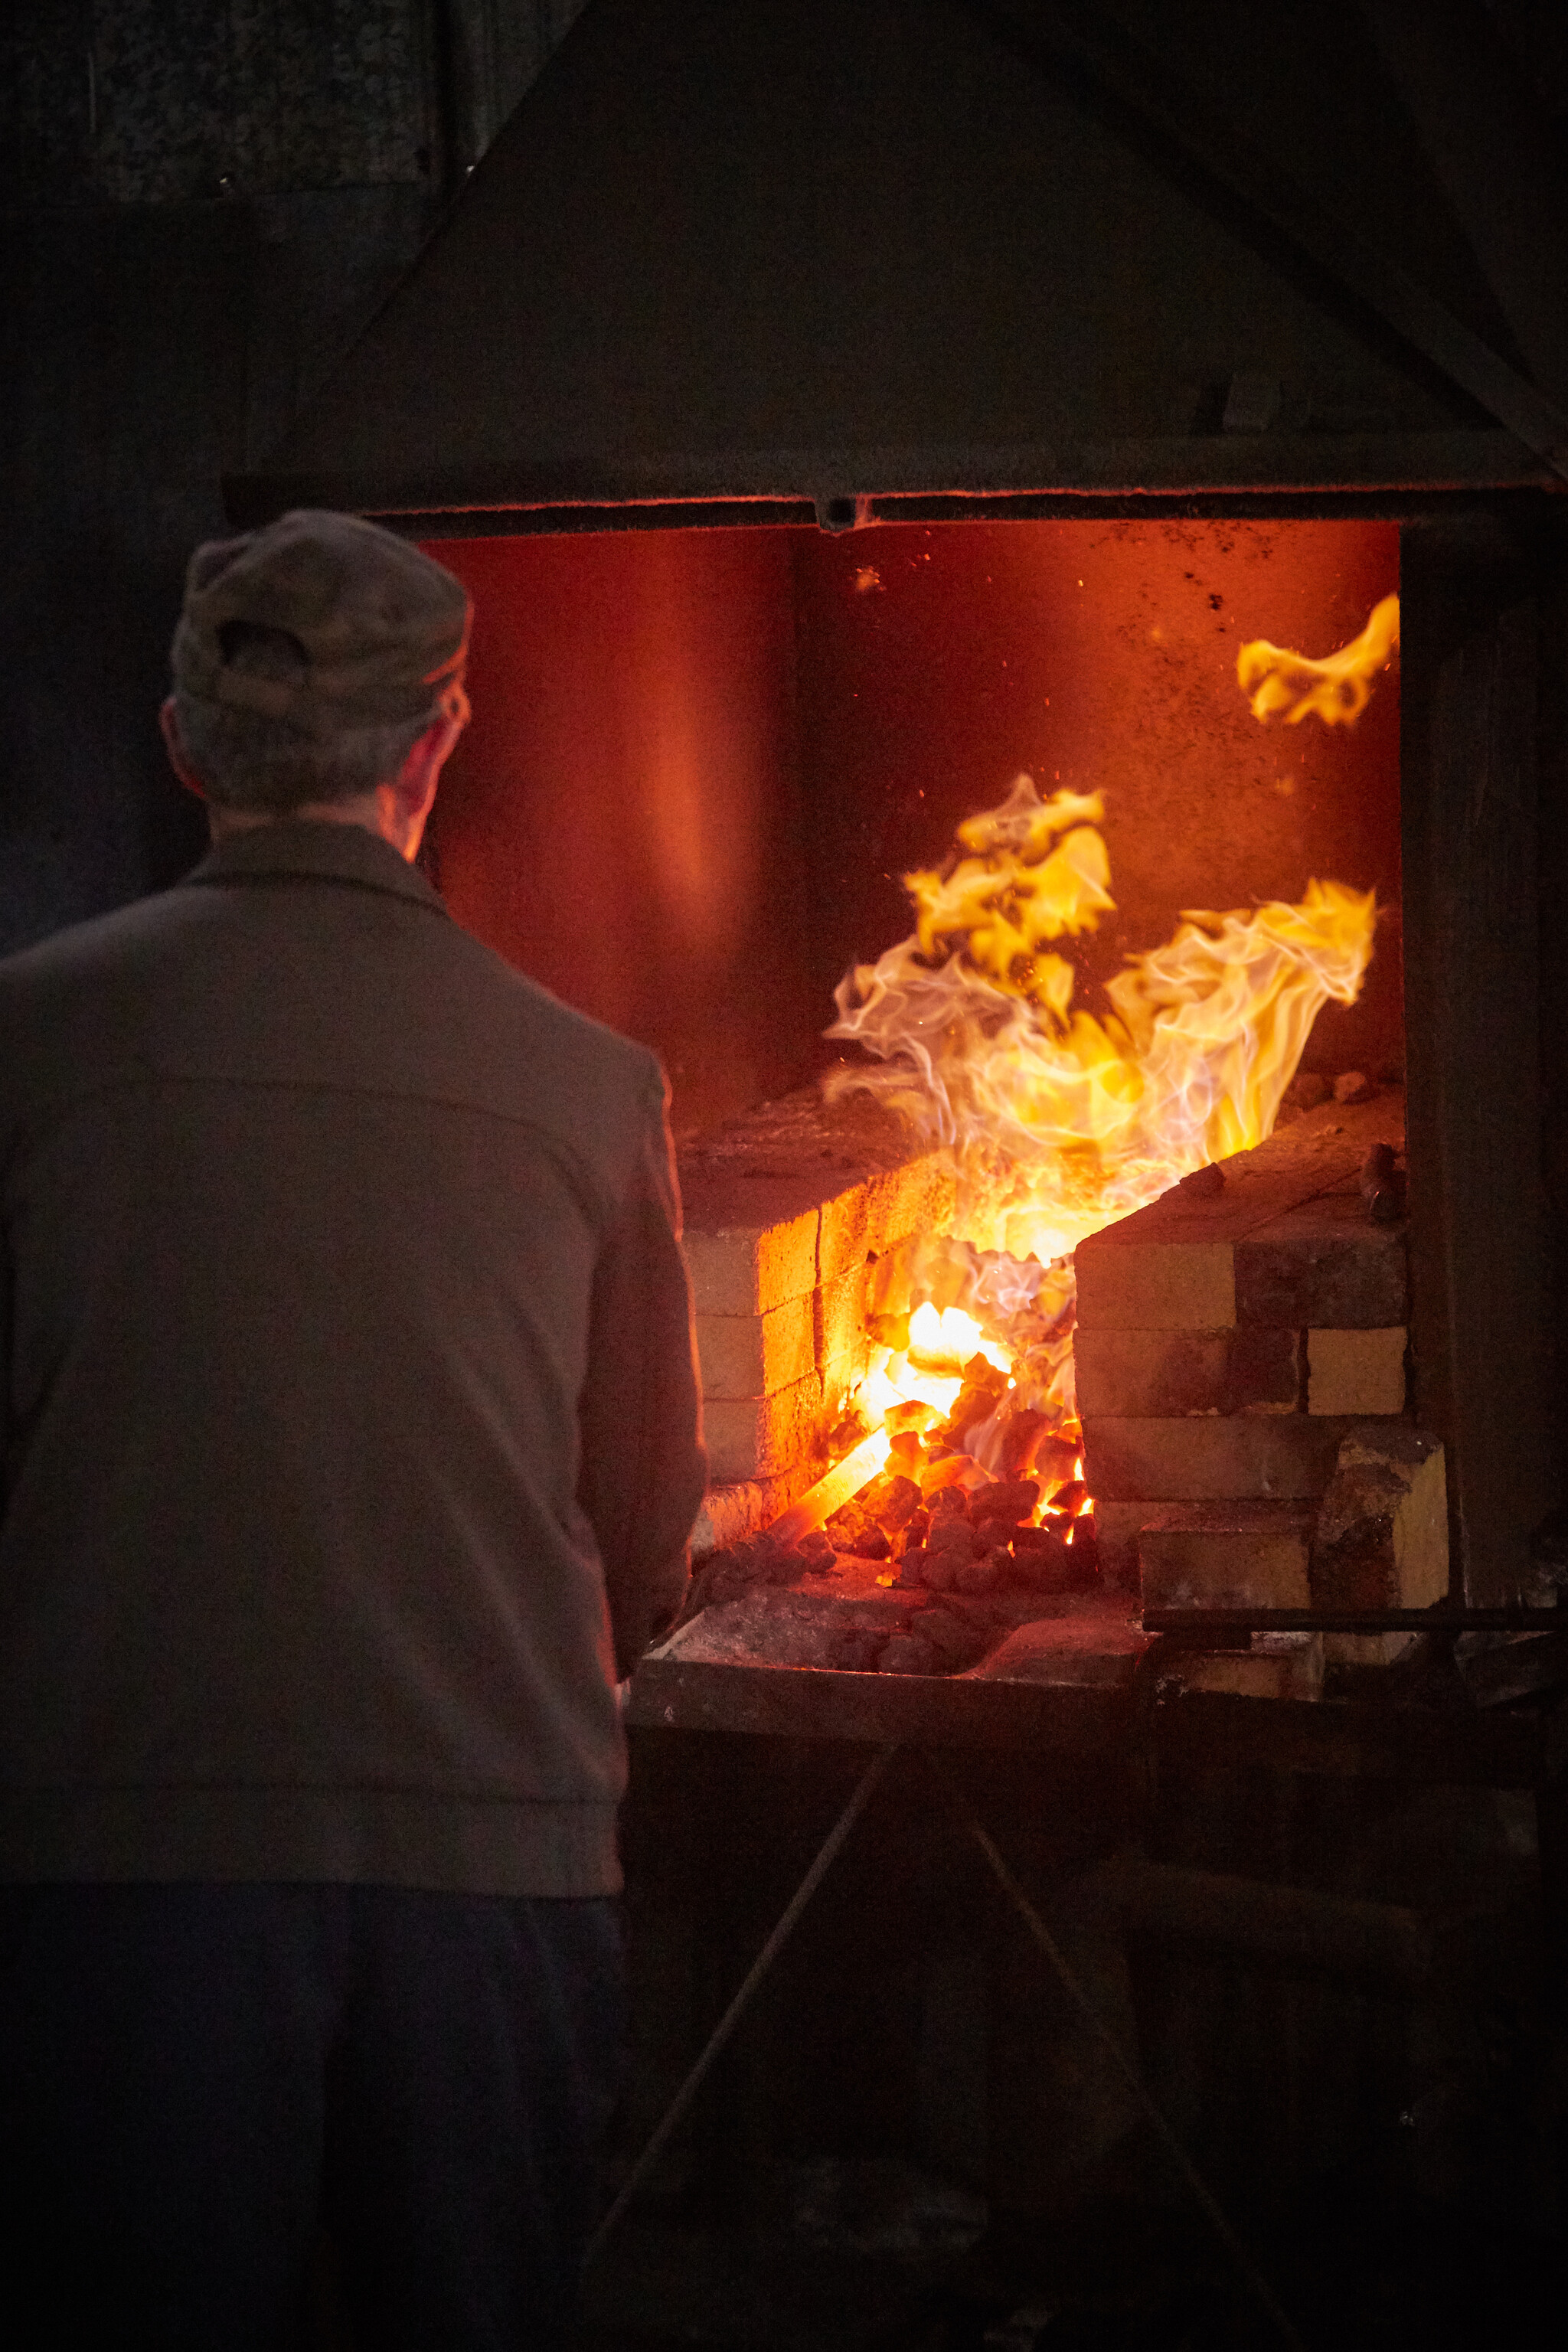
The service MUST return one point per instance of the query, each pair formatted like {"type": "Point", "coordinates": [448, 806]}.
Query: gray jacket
{"type": "Point", "coordinates": [351, 1424]}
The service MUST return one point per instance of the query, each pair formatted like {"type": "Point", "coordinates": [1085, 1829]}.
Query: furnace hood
{"type": "Point", "coordinates": [761, 257]}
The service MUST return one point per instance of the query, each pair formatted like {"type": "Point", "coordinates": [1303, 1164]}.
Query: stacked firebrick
{"type": "Point", "coordinates": [1241, 1365]}
{"type": "Point", "coordinates": [789, 1215]}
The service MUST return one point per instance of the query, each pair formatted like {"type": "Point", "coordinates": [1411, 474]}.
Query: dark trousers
{"type": "Point", "coordinates": [193, 2079]}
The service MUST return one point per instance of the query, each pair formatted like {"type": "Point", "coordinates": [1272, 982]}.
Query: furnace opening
{"type": "Point", "coordinates": [978, 883]}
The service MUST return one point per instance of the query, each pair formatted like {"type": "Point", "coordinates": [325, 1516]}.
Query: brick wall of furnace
{"type": "Point", "coordinates": [1225, 1347]}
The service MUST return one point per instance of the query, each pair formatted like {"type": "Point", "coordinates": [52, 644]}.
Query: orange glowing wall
{"type": "Point", "coordinates": [621, 819]}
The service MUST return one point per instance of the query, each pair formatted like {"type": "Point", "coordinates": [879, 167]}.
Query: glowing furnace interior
{"type": "Point", "coordinates": [1035, 834]}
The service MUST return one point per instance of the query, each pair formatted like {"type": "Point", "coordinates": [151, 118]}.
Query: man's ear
{"type": "Point", "coordinates": [406, 803]}
{"type": "Point", "coordinates": [174, 745]}
{"type": "Point", "coordinates": [415, 784]}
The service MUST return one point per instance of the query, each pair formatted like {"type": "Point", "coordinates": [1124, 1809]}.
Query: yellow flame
{"type": "Point", "coordinates": [1337, 687]}
{"type": "Point", "coordinates": [1060, 1123]}
{"type": "Point", "coordinates": [947, 1337]}
{"type": "Point", "coordinates": [1001, 904]}
{"type": "Point", "coordinates": [892, 1379]}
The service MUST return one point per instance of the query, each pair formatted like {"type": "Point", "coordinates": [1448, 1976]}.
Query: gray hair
{"type": "Point", "coordinates": [247, 759]}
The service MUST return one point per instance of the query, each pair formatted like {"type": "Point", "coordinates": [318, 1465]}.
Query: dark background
{"type": "Point", "coordinates": [200, 206]}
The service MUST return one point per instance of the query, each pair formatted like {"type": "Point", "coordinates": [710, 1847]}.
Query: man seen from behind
{"type": "Point", "coordinates": [349, 1452]}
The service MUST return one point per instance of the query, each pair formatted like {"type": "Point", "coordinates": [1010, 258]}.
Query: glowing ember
{"type": "Point", "coordinates": [1338, 688]}
{"type": "Point", "coordinates": [830, 1494]}
{"type": "Point", "coordinates": [943, 1341]}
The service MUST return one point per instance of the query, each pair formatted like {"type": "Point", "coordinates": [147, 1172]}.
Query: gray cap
{"type": "Point", "coordinates": [383, 631]}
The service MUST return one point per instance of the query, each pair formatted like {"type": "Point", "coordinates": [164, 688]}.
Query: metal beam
{"type": "Point", "coordinates": [1485, 139]}
{"type": "Point", "coordinates": [1091, 51]}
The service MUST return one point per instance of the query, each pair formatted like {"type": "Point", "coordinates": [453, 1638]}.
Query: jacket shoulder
{"type": "Point", "coordinates": [591, 1060]}
{"type": "Point", "coordinates": [97, 947]}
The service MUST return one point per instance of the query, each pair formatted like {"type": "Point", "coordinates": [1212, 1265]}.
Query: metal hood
{"type": "Point", "coordinates": [759, 258]}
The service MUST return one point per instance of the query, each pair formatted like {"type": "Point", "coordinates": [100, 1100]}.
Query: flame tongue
{"type": "Point", "coordinates": [1061, 1122]}
{"type": "Point", "coordinates": [1337, 687]}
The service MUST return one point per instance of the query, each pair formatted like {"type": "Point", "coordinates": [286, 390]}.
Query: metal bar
{"type": "Point", "coordinates": [673, 1694]}
{"type": "Point", "coordinates": [1196, 1621]}
{"type": "Point", "coordinates": [680, 2106]}
{"type": "Point", "coordinates": [1214, 2212]}
{"type": "Point", "coordinates": [832, 1492]}
{"type": "Point", "coordinates": [770, 486]}
{"type": "Point", "coordinates": [1151, 90]}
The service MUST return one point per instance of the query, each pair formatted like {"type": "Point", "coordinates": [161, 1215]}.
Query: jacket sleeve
{"type": "Point", "coordinates": [644, 1470]}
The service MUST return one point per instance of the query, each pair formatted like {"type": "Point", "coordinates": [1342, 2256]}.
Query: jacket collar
{"type": "Point", "coordinates": [315, 850]}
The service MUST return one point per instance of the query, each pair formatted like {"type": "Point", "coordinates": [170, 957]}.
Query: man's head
{"type": "Point", "coordinates": [317, 670]}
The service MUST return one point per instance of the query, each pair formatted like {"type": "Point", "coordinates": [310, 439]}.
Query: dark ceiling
{"type": "Point", "coordinates": [810, 251]}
